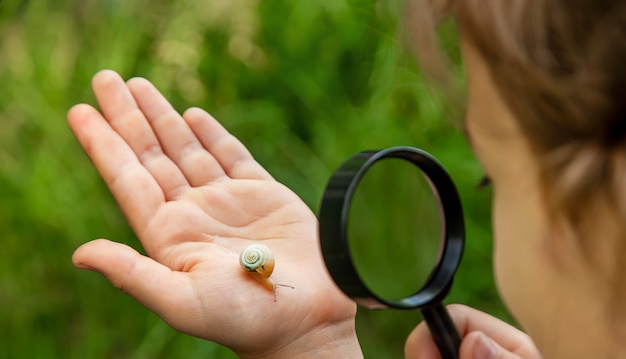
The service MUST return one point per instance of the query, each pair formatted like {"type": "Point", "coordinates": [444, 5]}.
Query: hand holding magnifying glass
{"type": "Point", "coordinates": [346, 264]}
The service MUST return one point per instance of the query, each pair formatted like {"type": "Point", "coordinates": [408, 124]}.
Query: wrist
{"type": "Point", "coordinates": [334, 341]}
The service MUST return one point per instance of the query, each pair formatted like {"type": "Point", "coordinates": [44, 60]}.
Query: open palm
{"type": "Point", "coordinates": [195, 197]}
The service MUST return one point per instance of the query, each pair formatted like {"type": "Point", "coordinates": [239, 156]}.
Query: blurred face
{"type": "Point", "coordinates": [544, 280]}
{"type": "Point", "coordinates": [526, 274]}
{"type": "Point", "coordinates": [512, 170]}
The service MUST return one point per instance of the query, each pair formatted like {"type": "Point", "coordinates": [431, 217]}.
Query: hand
{"type": "Point", "coordinates": [195, 197]}
{"type": "Point", "coordinates": [484, 337]}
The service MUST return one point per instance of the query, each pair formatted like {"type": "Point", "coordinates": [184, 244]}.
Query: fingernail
{"type": "Point", "coordinates": [485, 349]}
{"type": "Point", "coordinates": [84, 266]}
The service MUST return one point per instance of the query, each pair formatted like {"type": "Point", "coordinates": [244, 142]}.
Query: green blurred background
{"type": "Point", "coordinates": [303, 84]}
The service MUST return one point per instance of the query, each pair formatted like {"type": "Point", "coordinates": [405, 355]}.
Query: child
{"type": "Point", "coordinates": [545, 118]}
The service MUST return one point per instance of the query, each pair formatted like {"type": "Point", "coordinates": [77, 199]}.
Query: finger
{"type": "Point", "coordinates": [471, 320]}
{"type": "Point", "coordinates": [467, 320]}
{"type": "Point", "coordinates": [147, 281]}
{"type": "Point", "coordinates": [134, 188]}
{"type": "Point", "coordinates": [420, 344]}
{"type": "Point", "coordinates": [476, 345]}
{"type": "Point", "coordinates": [176, 138]}
{"type": "Point", "coordinates": [233, 156]}
{"type": "Point", "coordinates": [125, 117]}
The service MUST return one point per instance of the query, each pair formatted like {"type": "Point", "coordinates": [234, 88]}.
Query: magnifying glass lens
{"type": "Point", "coordinates": [394, 228]}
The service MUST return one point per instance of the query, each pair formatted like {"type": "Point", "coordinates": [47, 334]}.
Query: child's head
{"type": "Point", "coordinates": [546, 118]}
{"type": "Point", "coordinates": [559, 66]}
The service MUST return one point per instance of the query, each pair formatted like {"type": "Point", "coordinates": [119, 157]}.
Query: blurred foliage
{"type": "Point", "coordinates": [394, 228]}
{"type": "Point", "coordinates": [304, 85]}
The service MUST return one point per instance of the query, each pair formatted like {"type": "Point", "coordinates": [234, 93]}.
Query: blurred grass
{"type": "Point", "coordinates": [304, 85]}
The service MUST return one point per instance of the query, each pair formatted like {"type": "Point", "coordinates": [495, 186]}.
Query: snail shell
{"type": "Point", "coordinates": [257, 258]}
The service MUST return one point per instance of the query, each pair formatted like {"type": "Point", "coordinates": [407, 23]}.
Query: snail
{"type": "Point", "coordinates": [258, 259]}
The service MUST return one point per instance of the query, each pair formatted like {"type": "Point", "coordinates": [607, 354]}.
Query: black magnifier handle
{"type": "Point", "coordinates": [443, 331]}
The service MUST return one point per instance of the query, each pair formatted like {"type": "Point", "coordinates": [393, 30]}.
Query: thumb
{"type": "Point", "coordinates": [148, 281]}
{"type": "Point", "coordinates": [477, 345]}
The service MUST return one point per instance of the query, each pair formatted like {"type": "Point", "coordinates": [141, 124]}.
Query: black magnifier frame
{"type": "Point", "coordinates": [333, 232]}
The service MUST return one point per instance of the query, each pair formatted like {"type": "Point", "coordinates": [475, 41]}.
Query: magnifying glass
{"type": "Point", "coordinates": [392, 234]}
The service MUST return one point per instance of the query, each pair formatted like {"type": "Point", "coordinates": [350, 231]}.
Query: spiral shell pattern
{"type": "Point", "coordinates": [257, 258]}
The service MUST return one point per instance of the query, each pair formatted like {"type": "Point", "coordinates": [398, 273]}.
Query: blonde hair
{"type": "Point", "coordinates": [560, 66]}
